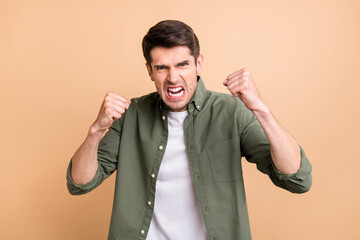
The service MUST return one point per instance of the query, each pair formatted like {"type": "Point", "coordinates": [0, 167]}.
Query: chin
{"type": "Point", "coordinates": [177, 108]}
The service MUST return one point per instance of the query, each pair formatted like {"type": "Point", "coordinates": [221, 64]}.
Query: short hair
{"type": "Point", "coordinates": [168, 34]}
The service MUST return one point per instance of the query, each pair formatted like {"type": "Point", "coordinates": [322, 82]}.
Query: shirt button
{"type": "Point", "coordinates": [161, 147]}
{"type": "Point", "coordinates": [198, 107]}
{"type": "Point", "coordinates": [198, 178]}
{"type": "Point", "coordinates": [142, 231]}
{"type": "Point", "coordinates": [149, 203]}
{"type": "Point", "coordinates": [163, 117]}
{"type": "Point", "coordinates": [153, 175]}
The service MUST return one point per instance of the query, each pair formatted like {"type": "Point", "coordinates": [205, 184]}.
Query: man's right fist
{"type": "Point", "coordinates": [111, 109]}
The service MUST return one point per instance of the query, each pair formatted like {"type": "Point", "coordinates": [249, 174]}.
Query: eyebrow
{"type": "Point", "coordinates": [178, 64]}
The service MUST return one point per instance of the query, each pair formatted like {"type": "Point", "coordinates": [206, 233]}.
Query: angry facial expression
{"type": "Point", "coordinates": [174, 72]}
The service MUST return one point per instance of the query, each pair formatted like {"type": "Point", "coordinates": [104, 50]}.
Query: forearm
{"type": "Point", "coordinates": [84, 161]}
{"type": "Point", "coordinates": [285, 152]}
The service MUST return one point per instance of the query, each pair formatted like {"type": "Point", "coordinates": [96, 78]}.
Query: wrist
{"type": "Point", "coordinates": [95, 132]}
{"type": "Point", "coordinates": [261, 110]}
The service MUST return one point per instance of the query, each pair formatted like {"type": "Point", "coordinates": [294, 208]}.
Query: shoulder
{"type": "Point", "coordinates": [146, 102]}
{"type": "Point", "coordinates": [151, 98]}
{"type": "Point", "coordinates": [224, 101]}
{"type": "Point", "coordinates": [229, 107]}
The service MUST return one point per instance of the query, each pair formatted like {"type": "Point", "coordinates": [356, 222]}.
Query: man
{"type": "Point", "coordinates": [177, 151]}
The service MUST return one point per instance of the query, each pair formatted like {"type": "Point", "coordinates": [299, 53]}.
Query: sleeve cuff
{"type": "Point", "coordinates": [301, 174]}
{"type": "Point", "coordinates": [77, 189]}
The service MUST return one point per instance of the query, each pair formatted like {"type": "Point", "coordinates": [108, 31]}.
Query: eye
{"type": "Point", "coordinates": [183, 64]}
{"type": "Point", "coordinates": [160, 68]}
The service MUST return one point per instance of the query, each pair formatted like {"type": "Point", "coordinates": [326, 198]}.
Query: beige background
{"type": "Point", "coordinates": [59, 58]}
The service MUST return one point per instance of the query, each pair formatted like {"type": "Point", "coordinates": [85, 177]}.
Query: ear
{"type": "Point", "coordinates": [149, 71]}
{"type": "Point", "coordinates": [199, 64]}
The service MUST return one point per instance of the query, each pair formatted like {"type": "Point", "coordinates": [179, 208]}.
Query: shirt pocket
{"type": "Point", "coordinates": [225, 160]}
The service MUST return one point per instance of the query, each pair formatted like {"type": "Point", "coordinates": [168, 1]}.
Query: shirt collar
{"type": "Point", "coordinates": [198, 99]}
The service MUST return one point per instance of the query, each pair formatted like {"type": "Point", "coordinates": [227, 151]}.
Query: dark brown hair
{"type": "Point", "coordinates": [170, 33]}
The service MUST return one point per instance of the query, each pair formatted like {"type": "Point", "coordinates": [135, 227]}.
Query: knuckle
{"type": "Point", "coordinates": [108, 111]}
{"type": "Point", "coordinates": [122, 104]}
{"type": "Point", "coordinates": [117, 114]}
{"type": "Point", "coordinates": [246, 72]}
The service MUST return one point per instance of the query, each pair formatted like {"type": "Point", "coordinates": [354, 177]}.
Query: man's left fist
{"type": "Point", "coordinates": [242, 85]}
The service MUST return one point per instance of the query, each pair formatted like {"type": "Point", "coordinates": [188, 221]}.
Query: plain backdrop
{"type": "Point", "coordinates": [59, 58]}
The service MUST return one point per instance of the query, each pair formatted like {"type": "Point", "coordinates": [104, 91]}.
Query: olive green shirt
{"type": "Point", "coordinates": [218, 131]}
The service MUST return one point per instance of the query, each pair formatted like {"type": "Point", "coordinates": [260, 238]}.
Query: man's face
{"type": "Point", "coordinates": [175, 75]}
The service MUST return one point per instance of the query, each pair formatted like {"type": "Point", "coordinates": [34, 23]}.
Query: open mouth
{"type": "Point", "coordinates": [175, 92]}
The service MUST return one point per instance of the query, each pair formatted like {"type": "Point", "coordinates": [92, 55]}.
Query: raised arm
{"type": "Point", "coordinates": [285, 152]}
{"type": "Point", "coordinates": [84, 161]}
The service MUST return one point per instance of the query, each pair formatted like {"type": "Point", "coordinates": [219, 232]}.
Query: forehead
{"type": "Point", "coordinates": [163, 55]}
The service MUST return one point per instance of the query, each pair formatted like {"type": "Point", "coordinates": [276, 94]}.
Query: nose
{"type": "Point", "coordinates": [173, 75]}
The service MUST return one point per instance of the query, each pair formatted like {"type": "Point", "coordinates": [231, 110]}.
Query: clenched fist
{"type": "Point", "coordinates": [111, 109]}
{"type": "Point", "coordinates": [242, 85]}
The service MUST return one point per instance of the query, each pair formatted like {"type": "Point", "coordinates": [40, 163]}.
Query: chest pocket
{"type": "Point", "coordinates": [225, 160]}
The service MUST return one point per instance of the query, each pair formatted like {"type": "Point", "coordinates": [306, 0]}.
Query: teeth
{"type": "Point", "coordinates": [175, 89]}
{"type": "Point", "coordinates": [176, 94]}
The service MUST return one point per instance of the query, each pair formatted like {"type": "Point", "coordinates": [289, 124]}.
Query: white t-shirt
{"type": "Point", "coordinates": [177, 213]}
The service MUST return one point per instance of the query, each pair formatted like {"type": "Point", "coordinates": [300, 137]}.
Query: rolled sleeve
{"type": "Point", "coordinates": [79, 189]}
{"type": "Point", "coordinates": [107, 156]}
{"type": "Point", "coordinates": [256, 149]}
{"type": "Point", "coordinates": [300, 181]}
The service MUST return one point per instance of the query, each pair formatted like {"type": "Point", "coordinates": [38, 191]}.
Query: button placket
{"type": "Point", "coordinates": [150, 201]}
